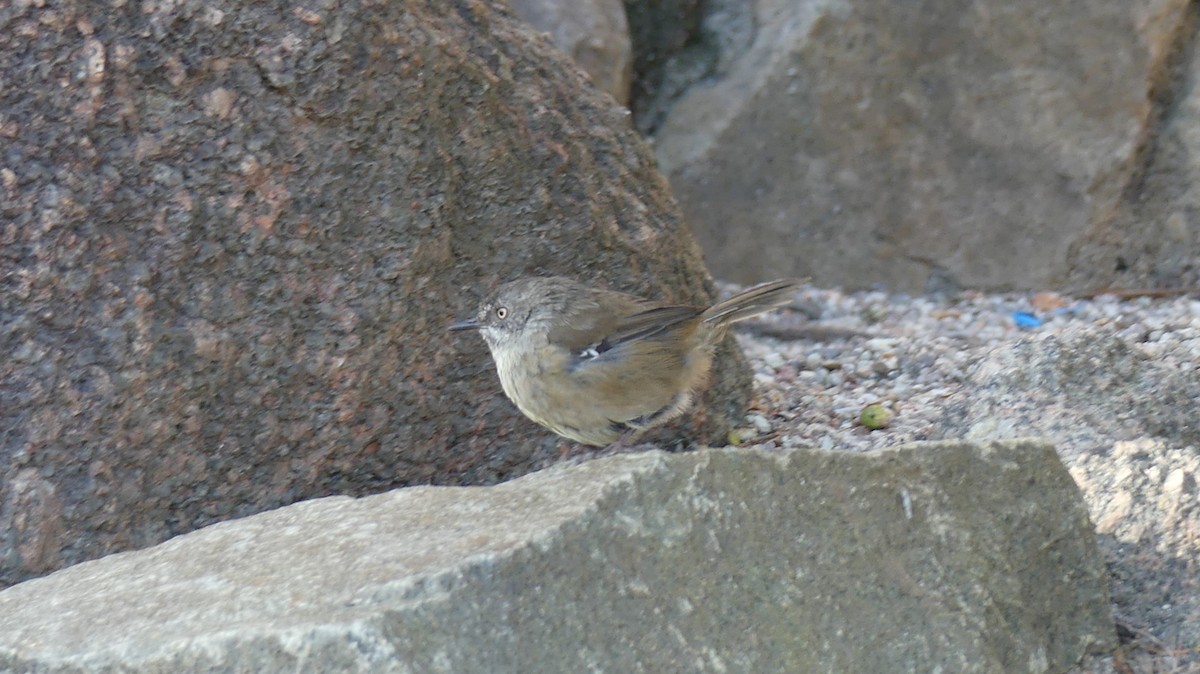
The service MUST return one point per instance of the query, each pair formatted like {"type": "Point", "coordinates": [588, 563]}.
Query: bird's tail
{"type": "Point", "coordinates": [752, 302]}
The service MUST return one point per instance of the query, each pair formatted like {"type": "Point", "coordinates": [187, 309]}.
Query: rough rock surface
{"type": "Point", "coordinates": [1123, 420]}
{"type": "Point", "coordinates": [1152, 237]}
{"type": "Point", "coordinates": [232, 235]}
{"type": "Point", "coordinates": [922, 146]}
{"type": "Point", "coordinates": [1078, 390]}
{"type": "Point", "coordinates": [936, 556]}
{"type": "Point", "coordinates": [593, 32]}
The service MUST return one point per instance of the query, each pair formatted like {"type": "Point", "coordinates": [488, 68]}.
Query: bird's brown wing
{"type": "Point", "coordinates": [637, 374]}
{"type": "Point", "coordinates": [646, 324]}
{"type": "Point", "coordinates": [604, 322]}
{"type": "Point", "coordinates": [586, 321]}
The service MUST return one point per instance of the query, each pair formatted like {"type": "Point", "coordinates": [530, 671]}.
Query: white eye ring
{"type": "Point", "coordinates": [501, 312]}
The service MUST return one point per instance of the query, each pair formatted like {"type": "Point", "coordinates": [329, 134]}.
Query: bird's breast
{"type": "Point", "coordinates": [530, 377]}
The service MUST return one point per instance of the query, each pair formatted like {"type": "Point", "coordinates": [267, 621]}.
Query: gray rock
{"type": "Point", "coordinates": [594, 33]}
{"type": "Point", "coordinates": [919, 146]}
{"type": "Point", "coordinates": [1125, 426]}
{"type": "Point", "coordinates": [1152, 238]}
{"type": "Point", "coordinates": [950, 557]}
{"type": "Point", "coordinates": [1079, 392]}
{"type": "Point", "coordinates": [232, 235]}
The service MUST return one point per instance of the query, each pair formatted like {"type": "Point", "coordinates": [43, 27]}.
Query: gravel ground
{"type": "Point", "coordinates": [1114, 383]}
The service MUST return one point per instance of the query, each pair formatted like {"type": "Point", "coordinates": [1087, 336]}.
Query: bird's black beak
{"type": "Point", "coordinates": [469, 324]}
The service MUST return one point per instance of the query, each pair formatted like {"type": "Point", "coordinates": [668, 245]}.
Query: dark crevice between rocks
{"type": "Point", "coordinates": [677, 43]}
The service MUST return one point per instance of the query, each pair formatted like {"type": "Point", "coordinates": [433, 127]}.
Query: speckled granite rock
{"type": "Point", "coordinates": [929, 557]}
{"type": "Point", "coordinates": [232, 234]}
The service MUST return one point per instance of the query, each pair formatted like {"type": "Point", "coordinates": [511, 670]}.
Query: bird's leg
{"type": "Point", "coordinates": [622, 444]}
{"type": "Point", "coordinates": [626, 438]}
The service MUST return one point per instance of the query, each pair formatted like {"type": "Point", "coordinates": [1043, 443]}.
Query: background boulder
{"type": "Point", "coordinates": [935, 145]}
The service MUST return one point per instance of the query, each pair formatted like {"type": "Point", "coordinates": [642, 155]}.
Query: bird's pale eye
{"type": "Point", "coordinates": [502, 312]}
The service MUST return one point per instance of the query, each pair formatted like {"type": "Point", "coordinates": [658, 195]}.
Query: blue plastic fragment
{"type": "Point", "coordinates": [1026, 320]}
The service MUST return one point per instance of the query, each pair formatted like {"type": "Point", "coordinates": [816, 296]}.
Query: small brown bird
{"type": "Point", "coordinates": [597, 365]}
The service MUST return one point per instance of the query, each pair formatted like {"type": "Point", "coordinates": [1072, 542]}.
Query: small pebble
{"type": "Point", "coordinates": [760, 423]}
{"type": "Point", "coordinates": [1178, 481]}
{"type": "Point", "coordinates": [773, 360]}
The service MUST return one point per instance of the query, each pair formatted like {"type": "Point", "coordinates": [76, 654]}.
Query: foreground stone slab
{"type": "Point", "coordinates": [963, 557]}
